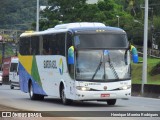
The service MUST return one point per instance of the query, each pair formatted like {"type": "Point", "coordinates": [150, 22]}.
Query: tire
{"type": "Point", "coordinates": [111, 102]}
{"type": "Point", "coordinates": [11, 86]}
{"type": "Point", "coordinates": [64, 100]}
{"type": "Point", "coordinates": [34, 96]}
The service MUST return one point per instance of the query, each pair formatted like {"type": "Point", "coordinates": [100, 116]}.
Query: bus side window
{"type": "Point", "coordinates": [34, 48]}
{"type": "Point", "coordinates": [24, 46]}
{"type": "Point", "coordinates": [60, 44]}
{"type": "Point", "coordinates": [48, 44]}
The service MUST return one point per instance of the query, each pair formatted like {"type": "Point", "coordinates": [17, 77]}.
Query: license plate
{"type": "Point", "coordinates": [105, 95]}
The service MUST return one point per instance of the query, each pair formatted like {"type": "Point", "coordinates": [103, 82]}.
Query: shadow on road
{"type": "Point", "coordinates": [78, 103]}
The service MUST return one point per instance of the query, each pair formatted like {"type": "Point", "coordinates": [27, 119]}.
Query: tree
{"type": "Point", "coordinates": [64, 11]}
{"type": "Point", "coordinates": [18, 14]}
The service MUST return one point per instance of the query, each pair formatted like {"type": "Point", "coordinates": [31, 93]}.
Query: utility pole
{"type": "Point", "coordinates": [37, 22]}
{"type": "Point", "coordinates": [152, 31]}
{"type": "Point", "coordinates": [117, 19]}
{"type": "Point", "coordinates": [145, 44]}
{"type": "Point", "coordinates": [3, 50]}
{"type": "Point", "coordinates": [3, 44]}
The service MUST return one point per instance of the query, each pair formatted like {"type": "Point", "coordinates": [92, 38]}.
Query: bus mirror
{"type": "Point", "coordinates": [71, 55]}
{"type": "Point", "coordinates": [135, 58]}
{"type": "Point", "coordinates": [134, 55]}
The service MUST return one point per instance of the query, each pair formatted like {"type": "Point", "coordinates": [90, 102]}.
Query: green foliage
{"type": "Point", "coordinates": [21, 14]}
{"type": "Point", "coordinates": [65, 11]}
{"type": "Point", "coordinates": [155, 70]}
{"type": "Point", "coordinates": [8, 51]}
{"type": "Point", "coordinates": [156, 22]}
{"type": "Point", "coordinates": [106, 5]}
{"type": "Point", "coordinates": [18, 14]}
{"type": "Point", "coordinates": [155, 4]}
{"type": "Point", "coordinates": [137, 72]}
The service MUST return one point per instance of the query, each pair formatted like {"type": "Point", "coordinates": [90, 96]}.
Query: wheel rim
{"type": "Point", "coordinates": [31, 91]}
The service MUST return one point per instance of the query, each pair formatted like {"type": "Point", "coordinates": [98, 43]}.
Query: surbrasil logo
{"type": "Point", "coordinates": [61, 66]}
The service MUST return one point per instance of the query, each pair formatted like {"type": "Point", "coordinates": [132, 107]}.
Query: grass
{"type": "Point", "coordinates": [137, 71]}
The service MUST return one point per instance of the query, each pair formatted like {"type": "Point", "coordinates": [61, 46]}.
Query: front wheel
{"type": "Point", "coordinates": [34, 96]}
{"type": "Point", "coordinates": [111, 102]}
{"type": "Point", "coordinates": [63, 97]}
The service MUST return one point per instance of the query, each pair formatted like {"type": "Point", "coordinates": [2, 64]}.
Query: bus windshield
{"type": "Point", "coordinates": [102, 65]}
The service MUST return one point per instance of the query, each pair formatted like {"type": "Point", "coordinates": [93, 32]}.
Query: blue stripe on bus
{"type": "Point", "coordinates": [24, 77]}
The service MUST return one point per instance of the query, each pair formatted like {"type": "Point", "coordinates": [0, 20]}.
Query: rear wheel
{"type": "Point", "coordinates": [63, 97]}
{"type": "Point", "coordinates": [111, 102]}
{"type": "Point", "coordinates": [34, 96]}
{"type": "Point", "coordinates": [11, 86]}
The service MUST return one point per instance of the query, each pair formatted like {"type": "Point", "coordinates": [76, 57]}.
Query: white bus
{"type": "Point", "coordinates": [76, 62]}
{"type": "Point", "coordinates": [13, 73]}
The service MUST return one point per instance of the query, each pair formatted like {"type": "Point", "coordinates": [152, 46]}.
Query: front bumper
{"type": "Point", "coordinates": [102, 95]}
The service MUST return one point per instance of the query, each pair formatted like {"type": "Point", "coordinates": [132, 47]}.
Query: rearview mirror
{"type": "Point", "coordinates": [134, 54]}
{"type": "Point", "coordinates": [71, 55]}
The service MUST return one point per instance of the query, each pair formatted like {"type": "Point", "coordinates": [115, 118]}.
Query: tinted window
{"type": "Point", "coordinates": [34, 48]}
{"type": "Point", "coordinates": [13, 67]}
{"type": "Point", "coordinates": [54, 44]}
{"type": "Point", "coordinates": [60, 40]}
{"type": "Point", "coordinates": [24, 46]}
{"type": "Point", "coordinates": [49, 44]}
{"type": "Point", "coordinates": [101, 41]}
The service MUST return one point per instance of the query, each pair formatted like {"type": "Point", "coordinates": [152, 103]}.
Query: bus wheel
{"type": "Point", "coordinates": [111, 102]}
{"type": "Point", "coordinates": [11, 86]}
{"type": "Point", "coordinates": [63, 97]}
{"type": "Point", "coordinates": [34, 96]}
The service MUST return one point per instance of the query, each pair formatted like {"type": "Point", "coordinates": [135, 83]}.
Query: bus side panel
{"type": "Point", "coordinates": [24, 82]}
{"type": "Point", "coordinates": [37, 89]}
{"type": "Point", "coordinates": [23, 78]}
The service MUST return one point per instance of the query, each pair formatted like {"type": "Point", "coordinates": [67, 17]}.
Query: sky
{"type": "Point", "coordinates": [91, 1]}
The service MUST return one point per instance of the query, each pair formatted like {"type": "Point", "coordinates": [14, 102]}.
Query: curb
{"type": "Point", "coordinates": [150, 90]}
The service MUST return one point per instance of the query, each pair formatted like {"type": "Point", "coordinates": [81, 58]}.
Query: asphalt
{"type": "Point", "coordinates": [5, 108]}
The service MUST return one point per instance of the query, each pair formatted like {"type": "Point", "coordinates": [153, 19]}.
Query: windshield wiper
{"type": "Point", "coordinates": [98, 67]}
{"type": "Point", "coordinates": [112, 67]}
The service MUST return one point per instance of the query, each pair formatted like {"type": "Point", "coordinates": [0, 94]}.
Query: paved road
{"type": "Point", "coordinates": [17, 99]}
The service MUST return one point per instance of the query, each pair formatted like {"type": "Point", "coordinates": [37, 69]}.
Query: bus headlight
{"type": "Point", "coordinates": [125, 87]}
{"type": "Point", "coordinates": [82, 88]}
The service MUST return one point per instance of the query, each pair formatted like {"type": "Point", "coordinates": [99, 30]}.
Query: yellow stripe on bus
{"type": "Point", "coordinates": [26, 62]}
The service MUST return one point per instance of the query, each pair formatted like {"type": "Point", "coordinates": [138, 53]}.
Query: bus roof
{"type": "Point", "coordinates": [79, 26]}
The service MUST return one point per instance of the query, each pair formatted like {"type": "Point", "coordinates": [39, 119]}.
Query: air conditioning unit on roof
{"type": "Point", "coordinates": [79, 24]}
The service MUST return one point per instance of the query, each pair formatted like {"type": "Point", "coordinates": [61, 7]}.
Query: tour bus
{"type": "Point", "coordinates": [13, 73]}
{"type": "Point", "coordinates": [84, 61]}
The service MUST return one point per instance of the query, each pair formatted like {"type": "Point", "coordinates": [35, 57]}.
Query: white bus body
{"type": "Point", "coordinates": [88, 61]}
